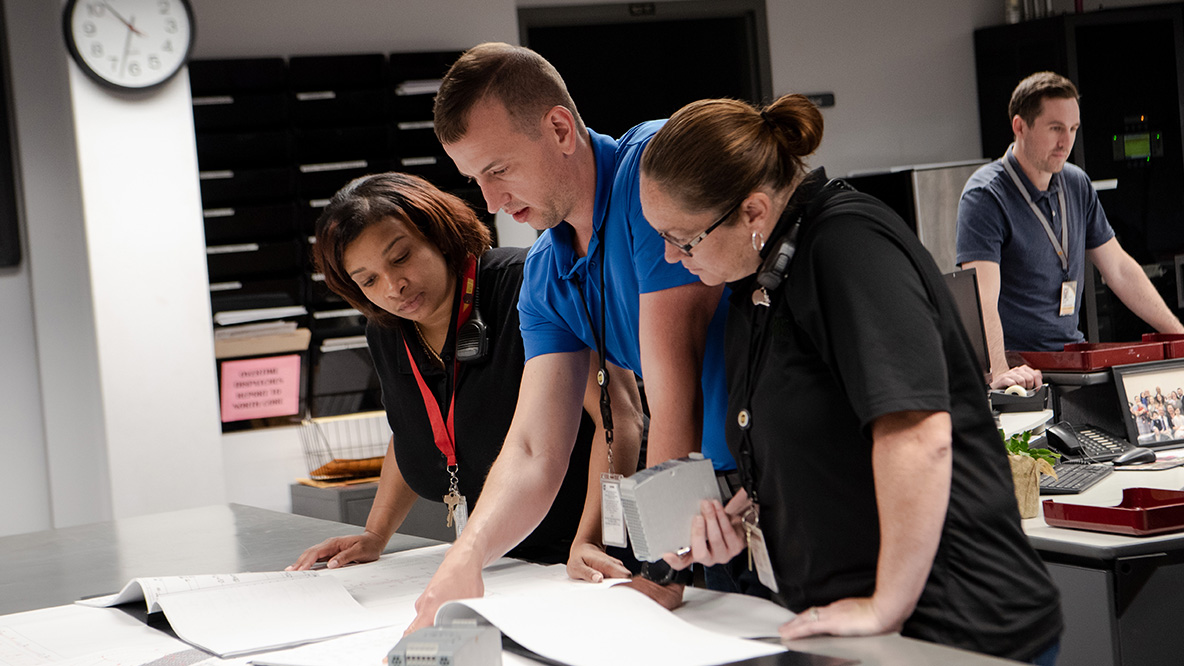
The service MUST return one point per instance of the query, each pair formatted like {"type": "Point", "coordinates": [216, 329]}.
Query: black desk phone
{"type": "Point", "coordinates": [1083, 443]}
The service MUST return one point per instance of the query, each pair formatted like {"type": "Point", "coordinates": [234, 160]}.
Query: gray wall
{"type": "Point", "coordinates": [902, 73]}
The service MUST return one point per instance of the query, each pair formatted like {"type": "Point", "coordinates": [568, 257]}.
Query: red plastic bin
{"type": "Point", "coordinates": [1142, 512]}
{"type": "Point", "coordinates": [1087, 356]}
{"type": "Point", "coordinates": [1173, 343]}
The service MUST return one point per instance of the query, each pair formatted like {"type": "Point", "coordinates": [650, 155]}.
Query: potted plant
{"type": "Point", "coordinates": [1027, 464]}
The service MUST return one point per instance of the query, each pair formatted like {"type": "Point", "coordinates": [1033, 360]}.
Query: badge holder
{"type": "Point", "coordinates": [758, 552]}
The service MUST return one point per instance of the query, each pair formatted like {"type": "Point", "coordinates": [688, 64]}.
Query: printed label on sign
{"type": "Point", "coordinates": [260, 388]}
{"type": "Point", "coordinates": [612, 512]}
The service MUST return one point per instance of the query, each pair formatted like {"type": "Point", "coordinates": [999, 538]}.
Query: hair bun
{"type": "Point", "coordinates": [800, 123]}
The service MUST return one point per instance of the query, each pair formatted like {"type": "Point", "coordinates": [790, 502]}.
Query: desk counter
{"type": "Point", "coordinates": [1120, 594]}
{"type": "Point", "coordinates": [56, 567]}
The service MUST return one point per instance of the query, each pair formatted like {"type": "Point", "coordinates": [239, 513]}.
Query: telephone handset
{"type": "Point", "coordinates": [1061, 438]}
{"type": "Point", "coordinates": [1083, 442]}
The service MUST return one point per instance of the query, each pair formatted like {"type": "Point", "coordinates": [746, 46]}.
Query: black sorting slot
{"type": "Point", "coordinates": [249, 223]}
{"type": "Point", "coordinates": [340, 107]}
{"type": "Point", "coordinates": [331, 144]}
{"type": "Point", "coordinates": [412, 107]}
{"type": "Point", "coordinates": [219, 77]}
{"type": "Point", "coordinates": [247, 260]}
{"type": "Point", "coordinates": [334, 322]}
{"type": "Point", "coordinates": [322, 180]}
{"type": "Point", "coordinates": [416, 138]}
{"type": "Point", "coordinates": [344, 381]}
{"type": "Point", "coordinates": [322, 297]}
{"type": "Point", "coordinates": [234, 187]}
{"type": "Point", "coordinates": [436, 169]}
{"type": "Point", "coordinates": [239, 111]}
{"type": "Point", "coordinates": [255, 294]}
{"type": "Point", "coordinates": [231, 150]}
{"type": "Point", "coordinates": [337, 72]}
{"type": "Point", "coordinates": [426, 65]}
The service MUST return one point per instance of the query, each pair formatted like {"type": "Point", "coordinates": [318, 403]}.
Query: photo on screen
{"type": "Point", "coordinates": [1151, 399]}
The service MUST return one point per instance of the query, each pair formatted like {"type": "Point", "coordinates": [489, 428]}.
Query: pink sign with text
{"type": "Point", "coordinates": [259, 388]}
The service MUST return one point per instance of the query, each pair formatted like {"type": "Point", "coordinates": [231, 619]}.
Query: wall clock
{"type": "Point", "coordinates": [129, 44]}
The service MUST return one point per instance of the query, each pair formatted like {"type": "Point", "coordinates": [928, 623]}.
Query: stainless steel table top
{"type": "Point", "coordinates": [55, 567]}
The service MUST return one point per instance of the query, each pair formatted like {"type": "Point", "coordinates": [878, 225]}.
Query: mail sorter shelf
{"type": "Point", "coordinates": [340, 108]}
{"type": "Point", "coordinates": [235, 224]}
{"type": "Point", "coordinates": [251, 75]}
{"type": "Point", "coordinates": [336, 144]}
{"type": "Point", "coordinates": [235, 187]}
{"type": "Point", "coordinates": [421, 65]}
{"type": "Point", "coordinates": [233, 295]}
{"type": "Point", "coordinates": [246, 260]}
{"type": "Point", "coordinates": [337, 72]}
{"type": "Point", "coordinates": [240, 111]}
{"type": "Point", "coordinates": [248, 149]}
{"type": "Point", "coordinates": [320, 181]}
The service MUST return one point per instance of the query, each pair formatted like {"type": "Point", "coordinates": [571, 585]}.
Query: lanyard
{"type": "Point", "coordinates": [445, 434]}
{"type": "Point", "coordinates": [606, 411]}
{"type": "Point", "coordinates": [1062, 246]}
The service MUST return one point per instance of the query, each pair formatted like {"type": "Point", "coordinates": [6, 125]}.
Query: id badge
{"type": "Point", "coordinates": [1068, 297]}
{"type": "Point", "coordinates": [460, 516]}
{"type": "Point", "coordinates": [760, 558]}
{"type": "Point", "coordinates": [612, 512]}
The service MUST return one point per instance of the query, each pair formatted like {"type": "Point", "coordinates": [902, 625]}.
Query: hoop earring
{"type": "Point", "coordinates": [758, 245]}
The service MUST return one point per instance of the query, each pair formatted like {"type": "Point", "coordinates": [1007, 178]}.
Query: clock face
{"type": "Point", "coordinates": [129, 44]}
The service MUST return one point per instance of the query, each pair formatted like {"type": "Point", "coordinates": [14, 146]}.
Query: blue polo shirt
{"type": "Point", "coordinates": [995, 224]}
{"type": "Point", "coordinates": [552, 313]}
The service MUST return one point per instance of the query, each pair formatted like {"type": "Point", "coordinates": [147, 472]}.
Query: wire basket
{"type": "Point", "coordinates": [345, 447]}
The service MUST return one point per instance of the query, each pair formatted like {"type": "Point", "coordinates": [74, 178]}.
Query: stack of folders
{"type": "Point", "coordinates": [259, 339]}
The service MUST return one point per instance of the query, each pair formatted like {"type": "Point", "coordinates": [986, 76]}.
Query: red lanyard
{"type": "Point", "coordinates": [445, 435]}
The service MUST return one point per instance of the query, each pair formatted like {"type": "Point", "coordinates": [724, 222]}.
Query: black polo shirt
{"type": "Point", "coordinates": [863, 326]}
{"type": "Point", "coordinates": [486, 395]}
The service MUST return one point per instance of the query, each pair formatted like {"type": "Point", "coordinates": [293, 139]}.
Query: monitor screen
{"type": "Point", "coordinates": [963, 285]}
{"type": "Point", "coordinates": [1150, 398]}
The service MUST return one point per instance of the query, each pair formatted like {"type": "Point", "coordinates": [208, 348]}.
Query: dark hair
{"type": "Point", "coordinates": [714, 152]}
{"type": "Point", "coordinates": [443, 219]}
{"type": "Point", "coordinates": [522, 80]}
{"type": "Point", "coordinates": [1028, 97]}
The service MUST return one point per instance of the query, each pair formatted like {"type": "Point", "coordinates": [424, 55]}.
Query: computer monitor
{"type": "Point", "coordinates": [1150, 397]}
{"type": "Point", "coordinates": [963, 285]}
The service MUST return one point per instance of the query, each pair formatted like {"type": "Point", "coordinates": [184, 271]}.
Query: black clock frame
{"type": "Point", "coordinates": [72, 46]}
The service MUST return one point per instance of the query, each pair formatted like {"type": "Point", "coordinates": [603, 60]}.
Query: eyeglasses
{"type": "Point", "coordinates": [685, 248]}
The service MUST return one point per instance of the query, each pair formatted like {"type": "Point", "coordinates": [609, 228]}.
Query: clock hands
{"type": "Point", "coordinates": [127, 45]}
{"type": "Point", "coordinates": [130, 24]}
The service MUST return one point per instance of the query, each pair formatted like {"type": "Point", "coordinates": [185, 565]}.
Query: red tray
{"type": "Point", "coordinates": [1173, 343]}
{"type": "Point", "coordinates": [1142, 512]}
{"type": "Point", "coordinates": [1087, 356]}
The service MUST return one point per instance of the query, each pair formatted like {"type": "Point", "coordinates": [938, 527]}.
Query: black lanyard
{"type": "Point", "coordinates": [606, 411]}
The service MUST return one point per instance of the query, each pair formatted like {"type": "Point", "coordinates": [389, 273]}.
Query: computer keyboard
{"type": "Point", "coordinates": [1073, 478]}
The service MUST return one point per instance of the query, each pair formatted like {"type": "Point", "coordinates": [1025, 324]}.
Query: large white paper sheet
{"type": "Point", "coordinates": [738, 615]}
{"type": "Point", "coordinates": [69, 635]}
{"type": "Point", "coordinates": [264, 615]}
{"type": "Point", "coordinates": [593, 626]}
{"type": "Point", "coordinates": [149, 589]}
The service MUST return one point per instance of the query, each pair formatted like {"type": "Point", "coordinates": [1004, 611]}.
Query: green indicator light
{"type": "Point", "coordinates": [1116, 137]}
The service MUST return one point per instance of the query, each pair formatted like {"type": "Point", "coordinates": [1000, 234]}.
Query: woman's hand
{"type": "Point", "coordinates": [845, 617]}
{"type": "Point", "coordinates": [365, 547]}
{"type": "Point", "coordinates": [716, 534]}
{"type": "Point", "coordinates": [588, 561]}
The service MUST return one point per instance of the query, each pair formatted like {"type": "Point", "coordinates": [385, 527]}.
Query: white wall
{"type": "Point", "coordinates": [77, 445]}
